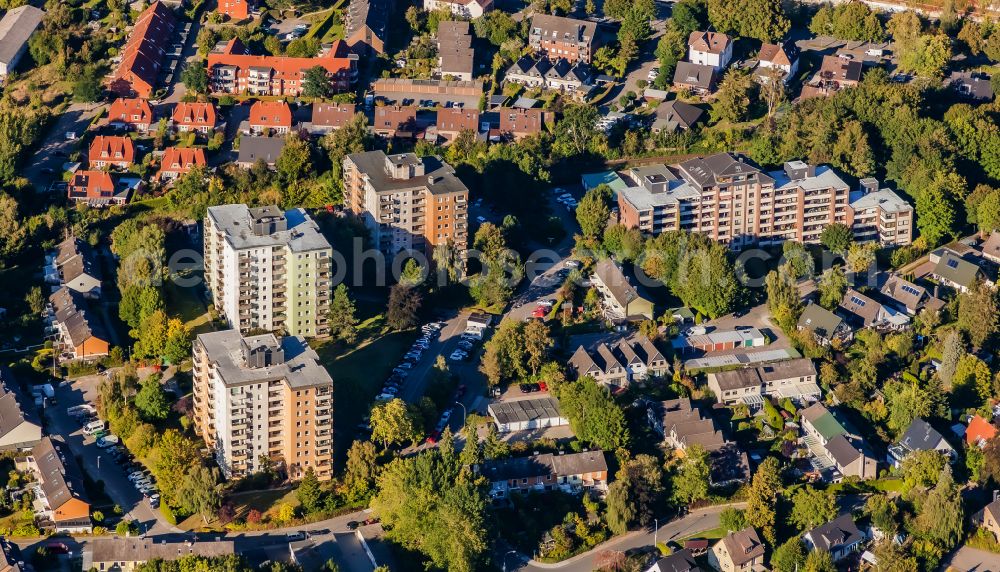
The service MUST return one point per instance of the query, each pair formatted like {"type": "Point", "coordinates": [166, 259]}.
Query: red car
{"type": "Point", "coordinates": [542, 386]}
{"type": "Point", "coordinates": [540, 312]}
{"type": "Point", "coordinates": [57, 548]}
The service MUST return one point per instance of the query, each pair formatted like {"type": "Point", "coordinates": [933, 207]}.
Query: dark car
{"type": "Point", "coordinates": [525, 388]}
{"type": "Point", "coordinates": [57, 548]}
{"type": "Point", "coordinates": [352, 525]}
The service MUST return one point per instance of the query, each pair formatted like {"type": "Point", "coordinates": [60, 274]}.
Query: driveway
{"type": "Point", "coordinates": [176, 89]}
{"type": "Point", "coordinates": [54, 149]}
{"type": "Point", "coordinates": [121, 491]}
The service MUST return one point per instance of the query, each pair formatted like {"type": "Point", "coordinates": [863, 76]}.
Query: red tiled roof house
{"type": "Point", "coordinates": [198, 117]}
{"type": "Point", "coordinates": [233, 69]}
{"type": "Point", "coordinates": [96, 188]}
{"type": "Point", "coordinates": [179, 160]}
{"type": "Point", "coordinates": [273, 115]}
{"type": "Point", "coordinates": [113, 151]}
{"type": "Point", "coordinates": [132, 113]}
{"type": "Point", "coordinates": [235, 9]}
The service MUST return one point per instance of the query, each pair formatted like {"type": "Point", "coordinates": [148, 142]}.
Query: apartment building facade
{"type": "Point", "coordinates": [268, 269]}
{"type": "Point", "coordinates": [880, 214]}
{"type": "Point", "coordinates": [408, 202]}
{"type": "Point", "coordinates": [735, 202]}
{"type": "Point", "coordinates": [263, 397]}
{"type": "Point", "coordinates": [233, 69]}
{"type": "Point", "coordinates": [566, 38]}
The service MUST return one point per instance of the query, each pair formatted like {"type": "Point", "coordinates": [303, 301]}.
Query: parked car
{"type": "Point", "coordinates": [457, 355]}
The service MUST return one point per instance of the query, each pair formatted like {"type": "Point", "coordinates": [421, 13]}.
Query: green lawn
{"type": "Point", "coordinates": [712, 534]}
{"type": "Point", "coordinates": [187, 304]}
{"type": "Point", "coordinates": [359, 369]}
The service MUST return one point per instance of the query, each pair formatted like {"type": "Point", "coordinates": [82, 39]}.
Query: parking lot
{"type": "Point", "coordinates": [427, 101]}
{"type": "Point", "coordinates": [98, 462]}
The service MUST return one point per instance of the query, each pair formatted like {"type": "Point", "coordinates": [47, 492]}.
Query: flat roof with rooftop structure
{"type": "Point", "coordinates": [242, 227]}
{"type": "Point", "coordinates": [296, 362]}
{"type": "Point", "coordinates": [609, 178]}
{"type": "Point", "coordinates": [136, 550]}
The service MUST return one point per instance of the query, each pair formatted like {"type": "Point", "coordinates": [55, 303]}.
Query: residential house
{"type": "Point", "coordinates": [76, 267]}
{"type": "Point", "coordinates": [253, 149]}
{"type": "Point", "coordinates": [697, 339]}
{"type": "Point", "coordinates": [516, 123]}
{"type": "Point", "coordinates": [16, 28]}
{"type": "Point", "coordinates": [738, 551]}
{"type": "Point", "coordinates": [454, 50]}
{"type": "Point", "coordinates": [779, 61]}
{"type": "Point", "coordinates": [233, 69]}
{"type": "Point", "coordinates": [824, 325]}
{"type": "Point", "coordinates": [327, 117]}
{"type": "Point", "coordinates": [61, 502]}
{"type": "Point", "coordinates": [559, 74]}
{"type": "Point", "coordinates": [908, 297]}
{"type": "Point", "coordinates": [111, 151]}
{"type": "Point", "coordinates": [621, 362]}
{"type": "Point", "coordinates": [81, 334]}
{"type": "Point", "coordinates": [710, 49]}
{"type": "Point", "coordinates": [794, 379]}
{"type": "Point", "coordinates": [979, 432]}
{"type": "Point", "coordinates": [131, 113]}
{"type": "Point", "coordinates": [274, 117]}
{"type": "Point", "coordinates": [621, 299]}
{"type": "Point", "coordinates": [526, 414]}
{"type": "Point", "coordinates": [880, 214]}
{"type": "Point", "coordinates": [958, 273]}
{"type": "Point", "coordinates": [840, 537]}
{"type": "Point", "coordinates": [562, 38]}
{"type": "Point", "coordinates": [835, 73]}
{"type": "Point", "coordinates": [989, 518]}
{"type": "Point", "coordinates": [178, 161]}
{"type": "Point", "coordinates": [395, 121]}
{"type": "Point", "coordinates": [834, 448]}
{"type": "Point", "coordinates": [974, 86]}
{"type": "Point", "coordinates": [470, 9]}
{"type": "Point", "coordinates": [862, 311]}
{"type": "Point", "coordinates": [237, 10]}
{"type": "Point", "coordinates": [683, 423]}
{"type": "Point", "coordinates": [97, 189]}
{"type": "Point", "coordinates": [144, 52]}
{"type": "Point", "coordinates": [680, 561]}
{"type": "Point", "coordinates": [366, 27]}
{"type": "Point", "coordinates": [20, 427]}
{"type": "Point", "coordinates": [696, 78]}
{"type": "Point", "coordinates": [126, 554]}
{"type": "Point", "coordinates": [991, 247]}
{"type": "Point", "coordinates": [194, 116]}
{"type": "Point", "coordinates": [566, 472]}
{"type": "Point", "coordinates": [675, 115]}
{"type": "Point", "coordinates": [451, 122]}
{"type": "Point", "coordinates": [919, 436]}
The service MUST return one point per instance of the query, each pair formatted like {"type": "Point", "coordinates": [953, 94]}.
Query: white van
{"type": "Point", "coordinates": [93, 427]}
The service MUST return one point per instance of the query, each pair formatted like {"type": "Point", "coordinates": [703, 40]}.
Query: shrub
{"type": "Point", "coordinates": [168, 513]}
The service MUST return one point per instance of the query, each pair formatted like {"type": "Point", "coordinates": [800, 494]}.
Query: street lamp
{"type": "Point", "coordinates": [656, 530]}
{"type": "Point", "coordinates": [464, 412]}
{"type": "Point", "coordinates": [98, 462]}
{"type": "Point", "coordinates": [505, 558]}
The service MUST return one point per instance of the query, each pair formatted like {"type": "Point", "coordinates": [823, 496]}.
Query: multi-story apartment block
{"type": "Point", "coordinates": [233, 69]}
{"type": "Point", "coordinates": [268, 269]}
{"type": "Point", "coordinates": [881, 214]}
{"type": "Point", "coordinates": [408, 202]}
{"type": "Point", "coordinates": [263, 397]}
{"type": "Point", "coordinates": [735, 202]}
{"type": "Point", "coordinates": [710, 49]}
{"type": "Point", "coordinates": [565, 38]}
{"type": "Point", "coordinates": [236, 9]}
{"type": "Point", "coordinates": [471, 9]}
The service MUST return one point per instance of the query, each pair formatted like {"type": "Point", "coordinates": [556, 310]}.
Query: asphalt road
{"type": "Point", "coordinates": [54, 149]}
{"type": "Point", "coordinates": [689, 525]}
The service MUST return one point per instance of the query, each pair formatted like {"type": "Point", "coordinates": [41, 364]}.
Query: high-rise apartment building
{"type": "Point", "coordinates": [263, 397]}
{"type": "Point", "coordinates": [881, 214]}
{"type": "Point", "coordinates": [268, 269]}
{"type": "Point", "coordinates": [408, 202]}
{"type": "Point", "coordinates": [735, 202]}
